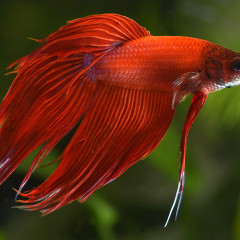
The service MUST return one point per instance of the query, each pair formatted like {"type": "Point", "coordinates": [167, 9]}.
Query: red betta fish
{"type": "Point", "coordinates": [125, 86]}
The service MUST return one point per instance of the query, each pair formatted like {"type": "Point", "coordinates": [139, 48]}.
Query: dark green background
{"type": "Point", "coordinates": [135, 206]}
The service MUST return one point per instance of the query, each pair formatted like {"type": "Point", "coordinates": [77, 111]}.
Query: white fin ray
{"type": "Point", "coordinates": [177, 199]}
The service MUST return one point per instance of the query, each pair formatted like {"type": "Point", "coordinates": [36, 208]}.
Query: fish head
{"type": "Point", "coordinates": [231, 71]}
{"type": "Point", "coordinates": [221, 70]}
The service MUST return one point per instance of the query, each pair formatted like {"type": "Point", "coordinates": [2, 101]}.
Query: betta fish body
{"type": "Point", "coordinates": [125, 83]}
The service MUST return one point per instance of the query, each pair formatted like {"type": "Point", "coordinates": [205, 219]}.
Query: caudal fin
{"type": "Point", "coordinates": [52, 92]}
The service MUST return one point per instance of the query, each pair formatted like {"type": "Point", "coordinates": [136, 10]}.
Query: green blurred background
{"type": "Point", "coordinates": [136, 205]}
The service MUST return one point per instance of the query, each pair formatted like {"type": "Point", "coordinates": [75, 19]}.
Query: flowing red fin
{"type": "Point", "coordinates": [121, 127]}
{"type": "Point", "coordinates": [96, 34]}
{"type": "Point", "coordinates": [197, 103]}
{"type": "Point", "coordinates": [42, 112]}
{"type": "Point", "coordinates": [51, 92]}
{"type": "Point", "coordinates": [108, 27]}
{"type": "Point", "coordinates": [190, 82]}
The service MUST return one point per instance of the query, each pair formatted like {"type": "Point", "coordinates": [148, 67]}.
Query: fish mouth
{"type": "Point", "coordinates": [220, 84]}
{"type": "Point", "coordinates": [232, 83]}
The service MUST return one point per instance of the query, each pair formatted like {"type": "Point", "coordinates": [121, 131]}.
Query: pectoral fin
{"type": "Point", "coordinates": [186, 84]}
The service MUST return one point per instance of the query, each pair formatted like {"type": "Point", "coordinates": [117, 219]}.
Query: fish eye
{"type": "Point", "coordinates": [236, 65]}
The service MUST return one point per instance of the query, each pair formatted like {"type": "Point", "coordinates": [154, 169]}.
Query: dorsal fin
{"type": "Point", "coordinates": [111, 27]}
{"type": "Point", "coordinates": [94, 34]}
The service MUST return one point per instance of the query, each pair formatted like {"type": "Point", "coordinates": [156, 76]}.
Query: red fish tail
{"type": "Point", "coordinates": [43, 111]}
{"type": "Point", "coordinates": [50, 94]}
